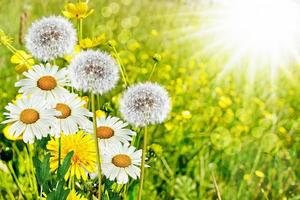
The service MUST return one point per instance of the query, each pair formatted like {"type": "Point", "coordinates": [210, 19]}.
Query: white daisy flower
{"type": "Point", "coordinates": [30, 117]}
{"type": "Point", "coordinates": [94, 71]}
{"type": "Point", "coordinates": [120, 161]}
{"type": "Point", "coordinates": [112, 130]}
{"type": "Point", "coordinates": [72, 115]}
{"type": "Point", "coordinates": [145, 103]}
{"type": "Point", "coordinates": [51, 37]}
{"type": "Point", "coordinates": [45, 81]}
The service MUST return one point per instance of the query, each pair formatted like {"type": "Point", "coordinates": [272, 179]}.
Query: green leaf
{"type": "Point", "coordinates": [59, 192]}
{"type": "Point", "coordinates": [42, 168]}
{"type": "Point", "coordinates": [62, 170]}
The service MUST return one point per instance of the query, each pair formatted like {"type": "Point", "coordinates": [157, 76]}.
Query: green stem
{"type": "Point", "coordinates": [15, 179]}
{"type": "Point", "coordinates": [143, 163]}
{"type": "Point", "coordinates": [97, 146]}
{"type": "Point", "coordinates": [31, 170]}
{"type": "Point", "coordinates": [41, 193]}
{"type": "Point", "coordinates": [121, 66]}
{"type": "Point", "coordinates": [258, 154]}
{"type": "Point", "coordinates": [152, 71]}
{"type": "Point", "coordinates": [59, 151]}
{"type": "Point", "coordinates": [79, 29]}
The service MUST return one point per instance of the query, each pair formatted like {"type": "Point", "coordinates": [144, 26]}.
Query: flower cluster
{"type": "Point", "coordinates": [51, 105]}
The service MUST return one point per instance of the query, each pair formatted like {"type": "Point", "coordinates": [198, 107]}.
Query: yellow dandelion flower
{"type": "Point", "coordinates": [23, 60]}
{"type": "Point", "coordinates": [90, 43]}
{"type": "Point", "coordinates": [75, 196]}
{"type": "Point", "coordinates": [77, 10]}
{"type": "Point", "coordinates": [9, 136]}
{"type": "Point", "coordinates": [84, 158]}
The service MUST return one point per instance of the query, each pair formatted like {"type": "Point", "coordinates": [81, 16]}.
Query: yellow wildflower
{"type": "Point", "coordinates": [169, 126]}
{"type": "Point", "coordinates": [74, 196]}
{"type": "Point", "coordinates": [260, 174]}
{"type": "Point", "coordinates": [100, 113]}
{"type": "Point", "coordinates": [156, 57]}
{"type": "Point", "coordinates": [90, 43]}
{"type": "Point", "coordinates": [247, 177]}
{"type": "Point", "coordinates": [154, 32]}
{"type": "Point", "coordinates": [86, 99]}
{"type": "Point", "coordinates": [69, 57]}
{"type": "Point", "coordinates": [23, 60]}
{"type": "Point", "coordinates": [157, 149]}
{"type": "Point", "coordinates": [225, 102]}
{"type": "Point", "coordinates": [84, 158]}
{"type": "Point", "coordinates": [112, 43]}
{"type": "Point", "coordinates": [18, 96]}
{"type": "Point", "coordinates": [186, 114]}
{"type": "Point", "coordinates": [8, 136]}
{"type": "Point", "coordinates": [5, 39]}
{"type": "Point", "coordinates": [77, 10]}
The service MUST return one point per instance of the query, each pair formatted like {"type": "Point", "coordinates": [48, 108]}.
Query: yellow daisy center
{"type": "Point", "coordinates": [121, 160]}
{"type": "Point", "coordinates": [64, 109]}
{"type": "Point", "coordinates": [29, 116]}
{"type": "Point", "coordinates": [104, 132]}
{"type": "Point", "coordinates": [47, 83]}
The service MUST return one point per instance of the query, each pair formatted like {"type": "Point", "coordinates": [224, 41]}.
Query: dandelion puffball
{"type": "Point", "coordinates": [93, 71]}
{"type": "Point", "coordinates": [145, 103]}
{"type": "Point", "coordinates": [51, 37]}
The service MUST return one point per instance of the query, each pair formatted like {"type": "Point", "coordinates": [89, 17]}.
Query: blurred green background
{"type": "Point", "coordinates": [246, 135]}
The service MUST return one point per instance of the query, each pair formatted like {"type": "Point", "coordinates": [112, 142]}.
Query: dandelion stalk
{"type": "Point", "coordinates": [216, 186]}
{"type": "Point", "coordinates": [79, 29]}
{"type": "Point", "coordinates": [121, 66]}
{"type": "Point", "coordinates": [143, 163]}
{"type": "Point", "coordinates": [97, 146]}
{"type": "Point", "coordinates": [59, 151]}
{"type": "Point", "coordinates": [152, 71]}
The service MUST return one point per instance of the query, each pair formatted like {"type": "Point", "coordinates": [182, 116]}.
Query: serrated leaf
{"type": "Point", "coordinates": [62, 170]}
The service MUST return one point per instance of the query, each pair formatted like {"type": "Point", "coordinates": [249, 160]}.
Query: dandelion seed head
{"type": "Point", "coordinates": [94, 71]}
{"type": "Point", "coordinates": [145, 103]}
{"type": "Point", "coordinates": [51, 37]}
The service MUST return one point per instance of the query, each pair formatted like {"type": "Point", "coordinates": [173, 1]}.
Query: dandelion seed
{"type": "Point", "coordinates": [120, 161]}
{"type": "Point", "coordinates": [51, 37]}
{"type": "Point", "coordinates": [29, 117]}
{"type": "Point", "coordinates": [93, 71]}
{"type": "Point", "coordinates": [145, 103]}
